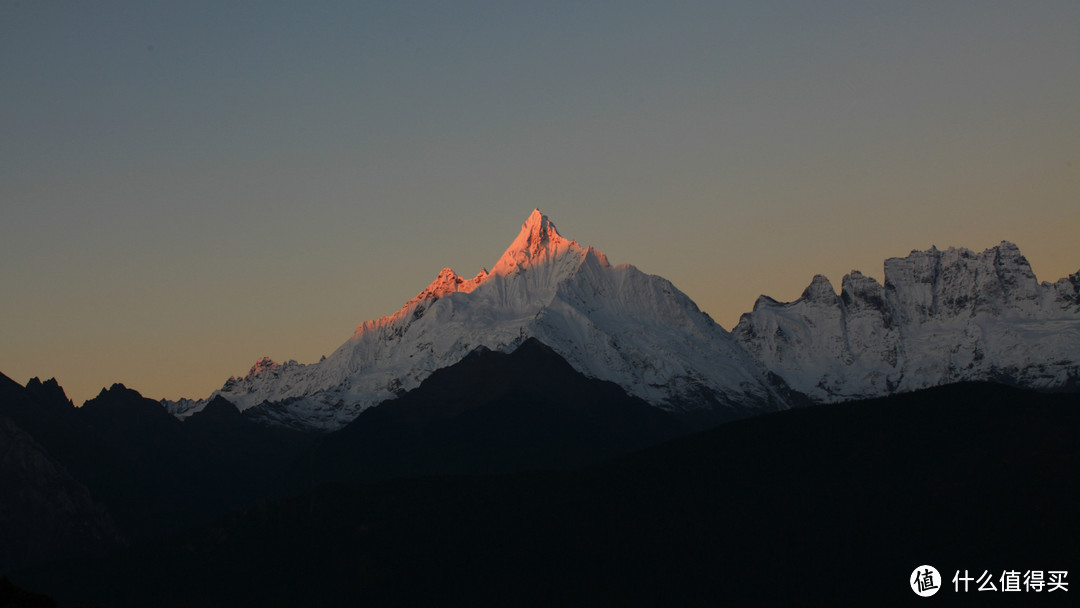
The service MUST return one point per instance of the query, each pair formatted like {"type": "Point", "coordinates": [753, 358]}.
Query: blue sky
{"type": "Point", "coordinates": [188, 186]}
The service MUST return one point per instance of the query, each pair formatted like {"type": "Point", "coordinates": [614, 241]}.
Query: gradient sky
{"type": "Point", "coordinates": [186, 188]}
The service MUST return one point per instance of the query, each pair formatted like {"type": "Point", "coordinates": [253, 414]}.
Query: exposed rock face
{"type": "Point", "coordinates": [942, 316]}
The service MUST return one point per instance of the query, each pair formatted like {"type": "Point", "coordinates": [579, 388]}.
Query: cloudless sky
{"type": "Point", "coordinates": [187, 186]}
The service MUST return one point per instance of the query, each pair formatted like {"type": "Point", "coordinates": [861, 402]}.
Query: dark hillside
{"type": "Point", "coordinates": [811, 506]}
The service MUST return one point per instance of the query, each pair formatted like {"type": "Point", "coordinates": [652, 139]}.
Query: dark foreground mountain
{"type": "Point", "coordinates": [808, 506]}
{"type": "Point", "coordinates": [69, 473]}
{"type": "Point", "coordinates": [147, 472]}
{"type": "Point", "coordinates": [45, 513]}
{"type": "Point", "coordinates": [494, 413]}
{"type": "Point", "coordinates": [14, 597]}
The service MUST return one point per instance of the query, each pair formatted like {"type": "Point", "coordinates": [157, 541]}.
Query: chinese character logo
{"type": "Point", "coordinates": [1031, 581]}
{"type": "Point", "coordinates": [925, 581]}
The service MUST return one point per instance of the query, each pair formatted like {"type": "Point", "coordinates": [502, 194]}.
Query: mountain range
{"type": "Point", "coordinates": [941, 317]}
{"type": "Point", "coordinates": [549, 431]}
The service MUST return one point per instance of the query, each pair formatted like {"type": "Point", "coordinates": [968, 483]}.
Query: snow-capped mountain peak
{"type": "Point", "coordinates": [449, 282]}
{"type": "Point", "coordinates": [819, 290]}
{"type": "Point", "coordinates": [942, 316]}
{"type": "Point", "coordinates": [537, 243]}
{"type": "Point", "coordinates": [264, 364]}
{"type": "Point", "coordinates": [612, 323]}
{"type": "Point", "coordinates": [446, 283]}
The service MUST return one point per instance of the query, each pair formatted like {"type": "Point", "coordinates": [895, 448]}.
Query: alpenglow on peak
{"type": "Point", "coordinates": [537, 242]}
{"type": "Point", "coordinates": [612, 323]}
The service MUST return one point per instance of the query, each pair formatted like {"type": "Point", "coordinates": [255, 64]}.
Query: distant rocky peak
{"type": "Point", "coordinates": [941, 316]}
{"type": "Point", "coordinates": [820, 291]}
{"type": "Point", "coordinates": [446, 283]}
{"type": "Point", "coordinates": [858, 292]}
{"type": "Point", "coordinates": [263, 365]}
{"type": "Point", "coordinates": [49, 391]}
{"type": "Point", "coordinates": [1064, 293]}
{"type": "Point", "coordinates": [537, 242]}
{"type": "Point", "coordinates": [764, 301]}
{"type": "Point", "coordinates": [856, 282]}
{"type": "Point", "coordinates": [960, 282]}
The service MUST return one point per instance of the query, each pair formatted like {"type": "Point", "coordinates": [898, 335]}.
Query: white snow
{"type": "Point", "coordinates": [942, 316]}
{"type": "Point", "coordinates": [613, 323]}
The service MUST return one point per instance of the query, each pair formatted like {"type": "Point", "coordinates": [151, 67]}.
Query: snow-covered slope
{"type": "Point", "coordinates": [942, 316]}
{"type": "Point", "coordinates": [609, 322]}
